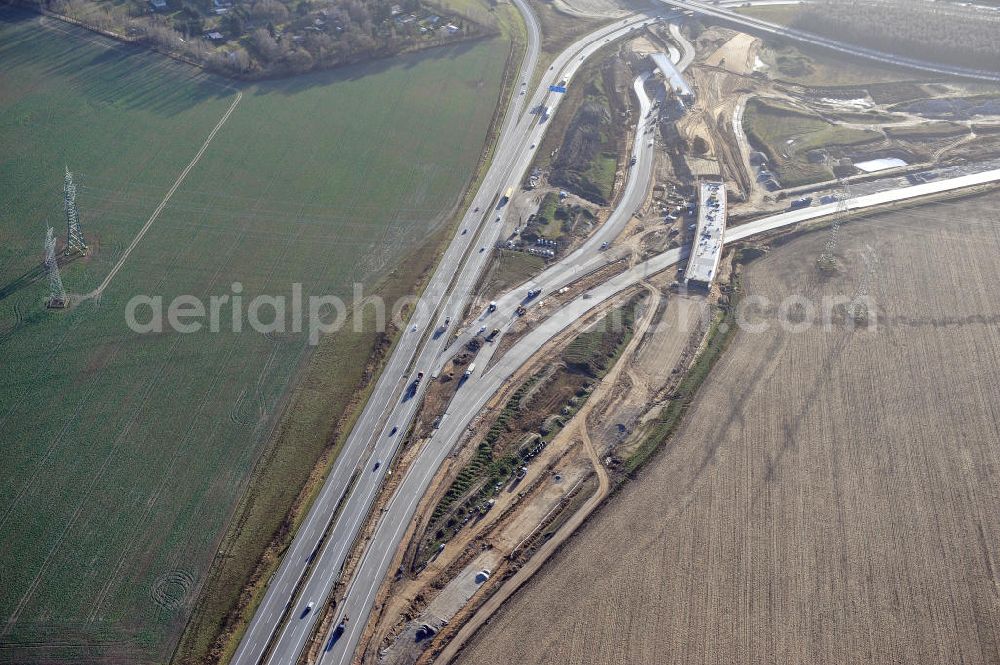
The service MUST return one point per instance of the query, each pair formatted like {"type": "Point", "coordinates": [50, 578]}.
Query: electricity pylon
{"type": "Point", "coordinates": [74, 234]}
{"type": "Point", "coordinates": [57, 293]}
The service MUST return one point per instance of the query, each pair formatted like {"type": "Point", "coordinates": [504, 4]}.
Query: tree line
{"type": "Point", "coordinates": [265, 38]}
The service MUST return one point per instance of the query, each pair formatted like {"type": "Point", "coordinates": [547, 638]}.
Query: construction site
{"type": "Point", "coordinates": [733, 142]}
{"type": "Point", "coordinates": [659, 382]}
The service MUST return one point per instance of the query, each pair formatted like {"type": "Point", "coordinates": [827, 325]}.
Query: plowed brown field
{"type": "Point", "coordinates": [832, 496]}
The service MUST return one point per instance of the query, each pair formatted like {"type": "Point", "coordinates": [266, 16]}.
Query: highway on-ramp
{"type": "Point", "coordinates": [302, 585]}
{"type": "Point", "coordinates": [563, 68]}
{"type": "Point", "coordinates": [281, 589]}
{"type": "Point", "coordinates": [592, 254]}
{"type": "Point", "coordinates": [309, 569]}
{"type": "Point", "coordinates": [470, 400]}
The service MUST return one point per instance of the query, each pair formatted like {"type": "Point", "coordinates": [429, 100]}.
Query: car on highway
{"type": "Point", "coordinates": [307, 610]}
{"type": "Point", "coordinates": [378, 463]}
{"type": "Point", "coordinates": [395, 428]}
{"type": "Point", "coordinates": [337, 633]}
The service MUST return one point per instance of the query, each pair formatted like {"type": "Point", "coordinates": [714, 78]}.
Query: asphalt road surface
{"type": "Point", "coordinates": [843, 47]}
{"type": "Point", "coordinates": [590, 255]}
{"type": "Point", "coordinates": [473, 396]}
{"type": "Point", "coordinates": [360, 469]}
{"type": "Point", "coordinates": [303, 550]}
{"type": "Point", "coordinates": [564, 67]}
{"type": "Point", "coordinates": [309, 569]}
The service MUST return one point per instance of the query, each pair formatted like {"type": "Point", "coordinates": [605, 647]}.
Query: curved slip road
{"type": "Point", "coordinates": [459, 270]}
{"type": "Point", "coordinates": [309, 571]}
{"type": "Point", "coordinates": [474, 395]}
{"type": "Point", "coordinates": [429, 359]}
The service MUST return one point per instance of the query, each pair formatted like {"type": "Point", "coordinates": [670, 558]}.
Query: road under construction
{"type": "Point", "coordinates": [301, 590]}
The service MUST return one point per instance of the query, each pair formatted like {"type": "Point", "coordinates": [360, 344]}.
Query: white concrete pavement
{"type": "Point", "coordinates": [384, 411]}
{"type": "Point", "coordinates": [474, 395]}
{"type": "Point", "coordinates": [458, 272]}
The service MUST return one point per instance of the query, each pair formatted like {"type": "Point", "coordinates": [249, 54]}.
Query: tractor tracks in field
{"type": "Point", "coordinates": [96, 293]}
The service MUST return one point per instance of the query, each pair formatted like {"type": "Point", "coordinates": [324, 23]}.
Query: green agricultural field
{"type": "Point", "coordinates": [124, 455]}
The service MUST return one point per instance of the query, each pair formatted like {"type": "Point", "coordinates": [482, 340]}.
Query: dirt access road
{"type": "Point", "coordinates": [832, 495]}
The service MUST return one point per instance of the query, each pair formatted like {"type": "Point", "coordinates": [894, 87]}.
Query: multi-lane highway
{"type": "Point", "coordinates": [286, 617]}
{"type": "Point", "coordinates": [371, 570]}
{"type": "Point", "coordinates": [760, 25]}
{"type": "Point", "coordinates": [474, 395]}
{"type": "Point", "coordinates": [281, 590]}
{"type": "Point", "coordinates": [310, 568]}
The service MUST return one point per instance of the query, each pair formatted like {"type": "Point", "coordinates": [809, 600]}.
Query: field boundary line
{"type": "Point", "coordinates": [96, 293]}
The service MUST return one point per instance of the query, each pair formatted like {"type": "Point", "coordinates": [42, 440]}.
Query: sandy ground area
{"type": "Point", "coordinates": [832, 495]}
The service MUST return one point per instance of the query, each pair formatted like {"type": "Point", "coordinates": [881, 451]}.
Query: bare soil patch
{"type": "Point", "coordinates": [831, 495]}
